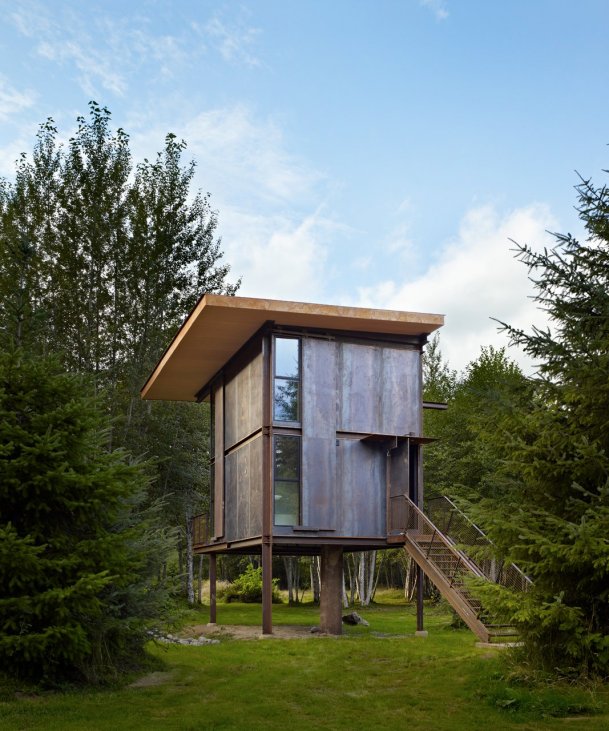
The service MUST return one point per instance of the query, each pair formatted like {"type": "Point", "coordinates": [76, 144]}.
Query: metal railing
{"type": "Point", "coordinates": [472, 541]}
{"type": "Point", "coordinates": [439, 551]}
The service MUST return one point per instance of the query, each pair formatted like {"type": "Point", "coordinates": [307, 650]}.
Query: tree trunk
{"type": "Point", "coordinates": [190, 579]}
{"type": "Point", "coordinates": [289, 573]}
{"type": "Point", "coordinates": [345, 597]}
{"type": "Point", "coordinates": [315, 578]}
{"type": "Point", "coordinates": [200, 581]}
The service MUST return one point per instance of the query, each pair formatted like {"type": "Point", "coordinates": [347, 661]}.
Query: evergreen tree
{"type": "Point", "coordinates": [117, 257]}
{"type": "Point", "coordinates": [76, 552]}
{"type": "Point", "coordinates": [553, 515]}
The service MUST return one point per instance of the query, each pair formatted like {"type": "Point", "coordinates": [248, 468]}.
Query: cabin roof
{"type": "Point", "coordinates": [220, 325]}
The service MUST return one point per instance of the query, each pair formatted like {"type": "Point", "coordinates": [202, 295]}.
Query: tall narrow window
{"type": "Point", "coordinates": [287, 480]}
{"type": "Point", "coordinates": [286, 401]}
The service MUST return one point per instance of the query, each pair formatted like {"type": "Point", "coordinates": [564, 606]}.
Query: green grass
{"type": "Point", "coordinates": [368, 679]}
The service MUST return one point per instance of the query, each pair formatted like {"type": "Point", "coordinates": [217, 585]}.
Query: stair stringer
{"type": "Point", "coordinates": [452, 596]}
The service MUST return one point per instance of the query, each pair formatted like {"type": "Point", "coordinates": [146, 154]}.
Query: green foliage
{"type": "Point", "coordinates": [248, 587]}
{"type": "Point", "coordinates": [552, 511]}
{"type": "Point", "coordinates": [100, 261]}
{"type": "Point", "coordinates": [464, 460]}
{"type": "Point", "coordinates": [75, 550]}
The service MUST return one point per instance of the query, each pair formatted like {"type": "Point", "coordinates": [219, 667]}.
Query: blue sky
{"type": "Point", "coordinates": [367, 153]}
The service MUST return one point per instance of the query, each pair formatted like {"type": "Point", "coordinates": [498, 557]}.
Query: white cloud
{"type": "Point", "coordinates": [437, 7]}
{"type": "Point", "coordinates": [242, 158]}
{"type": "Point", "coordinates": [104, 53]}
{"type": "Point", "coordinates": [12, 100]}
{"type": "Point", "coordinates": [279, 257]}
{"type": "Point", "coordinates": [474, 278]}
{"type": "Point", "coordinates": [276, 231]}
{"type": "Point", "coordinates": [234, 40]}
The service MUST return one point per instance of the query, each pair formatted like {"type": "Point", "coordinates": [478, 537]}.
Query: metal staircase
{"type": "Point", "coordinates": [449, 556]}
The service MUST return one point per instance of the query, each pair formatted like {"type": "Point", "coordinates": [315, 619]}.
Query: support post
{"type": "Point", "coordinates": [267, 588]}
{"type": "Point", "coordinates": [267, 483]}
{"type": "Point", "coordinates": [330, 605]}
{"type": "Point", "coordinates": [212, 588]}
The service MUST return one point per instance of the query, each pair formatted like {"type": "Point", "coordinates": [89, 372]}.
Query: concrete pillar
{"type": "Point", "coordinates": [212, 588]}
{"type": "Point", "coordinates": [330, 605]}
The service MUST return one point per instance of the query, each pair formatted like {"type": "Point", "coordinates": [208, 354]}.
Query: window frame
{"type": "Point", "coordinates": [287, 379]}
{"type": "Point", "coordinates": [295, 481]}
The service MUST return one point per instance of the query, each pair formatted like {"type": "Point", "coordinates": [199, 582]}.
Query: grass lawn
{"type": "Point", "coordinates": [377, 677]}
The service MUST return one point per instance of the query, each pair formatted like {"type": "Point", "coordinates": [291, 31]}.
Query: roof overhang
{"type": "Point", "coordinates": [220, 325]}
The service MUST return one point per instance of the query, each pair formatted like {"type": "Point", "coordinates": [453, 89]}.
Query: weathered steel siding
{"type": "Point", "coordinates": [243, 489]}
{"type": "Point", "coordinates": [243, 402]}
{"type": "Point", "coordinates": [319, 384]}
{"type": "Point", "coordinates": [218, 487]}
{"type": "Point", "coordinates": [379, 390]}
{"type": "Point", "coordinates": [360, 388]}
{"type": "Point", "coordinates": [360, 483]}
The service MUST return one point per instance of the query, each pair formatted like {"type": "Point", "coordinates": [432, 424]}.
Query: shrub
{"type": "Point", "coordinates": [248, 587]}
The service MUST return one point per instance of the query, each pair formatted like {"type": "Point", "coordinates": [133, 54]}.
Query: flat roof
{"type": "Point", "coordinates": [220, 325]}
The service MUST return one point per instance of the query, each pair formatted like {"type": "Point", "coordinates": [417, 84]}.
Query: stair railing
{"type": "Point", "coordinates": [420, 529]}
{"type": "Point", "coordinates": [478, 547]}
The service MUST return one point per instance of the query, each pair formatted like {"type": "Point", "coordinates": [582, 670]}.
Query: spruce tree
{"type": "Point", "coordinates": [75, 590]}
{"type": "Point", "coordinates": [553, 515]}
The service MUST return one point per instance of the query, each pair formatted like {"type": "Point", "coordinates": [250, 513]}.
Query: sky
{"type": "Point", "coordinates": [382, 154]}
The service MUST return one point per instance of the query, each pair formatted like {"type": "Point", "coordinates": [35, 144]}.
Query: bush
{"type": "Point", "coordinates": [248, 587]}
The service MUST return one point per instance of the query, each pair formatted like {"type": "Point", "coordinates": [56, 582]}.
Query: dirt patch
{"type": "Point", "coordinates": [253, 632]}
{"type": "Point", "coordinates": [147, 681]}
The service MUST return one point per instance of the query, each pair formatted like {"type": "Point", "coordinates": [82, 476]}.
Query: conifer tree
{"type": "Point", "coordinates": [553, 515]}
{"type": "Point", "coordinates": [75, 589]}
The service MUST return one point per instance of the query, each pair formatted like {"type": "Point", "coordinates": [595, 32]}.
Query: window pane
{"type": "Point", "coordinates": [287, 458]}
{"type": "Point", "coordinates": [286, 400]}
{"type": "Point", "coordinates": [287, 503]}
{"type": "Point", "coordinates": [287, 357]}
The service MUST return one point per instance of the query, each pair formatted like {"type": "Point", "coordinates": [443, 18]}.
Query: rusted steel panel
{"type": "Point", "coordinates": [231, 496]}
{"type": "Point", "coordinates": [400, 393]}
{"type": "Point", "coordinates": [379, 389]}
{"type": "Point", "coordinates": [319, 382]}
{"type": "Point", "coordinates": [399, 470]}
{"type": "Point", "coordinates": [255, 503]}
{"type": "Point", "coordinates": [320, 492]}
{"type": "Point", "coordinates": [218, 397]}
{"type": "Point", "coordinates": [359, 393]}
{"type": "Point", "coordinates": [319, 389]}
{"type": "Point", "coordinates": [243, 401]}
{"type": "Point", "coordinates": [244, 491]}
{"type": "Point", "coordinates": [360, 481]}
